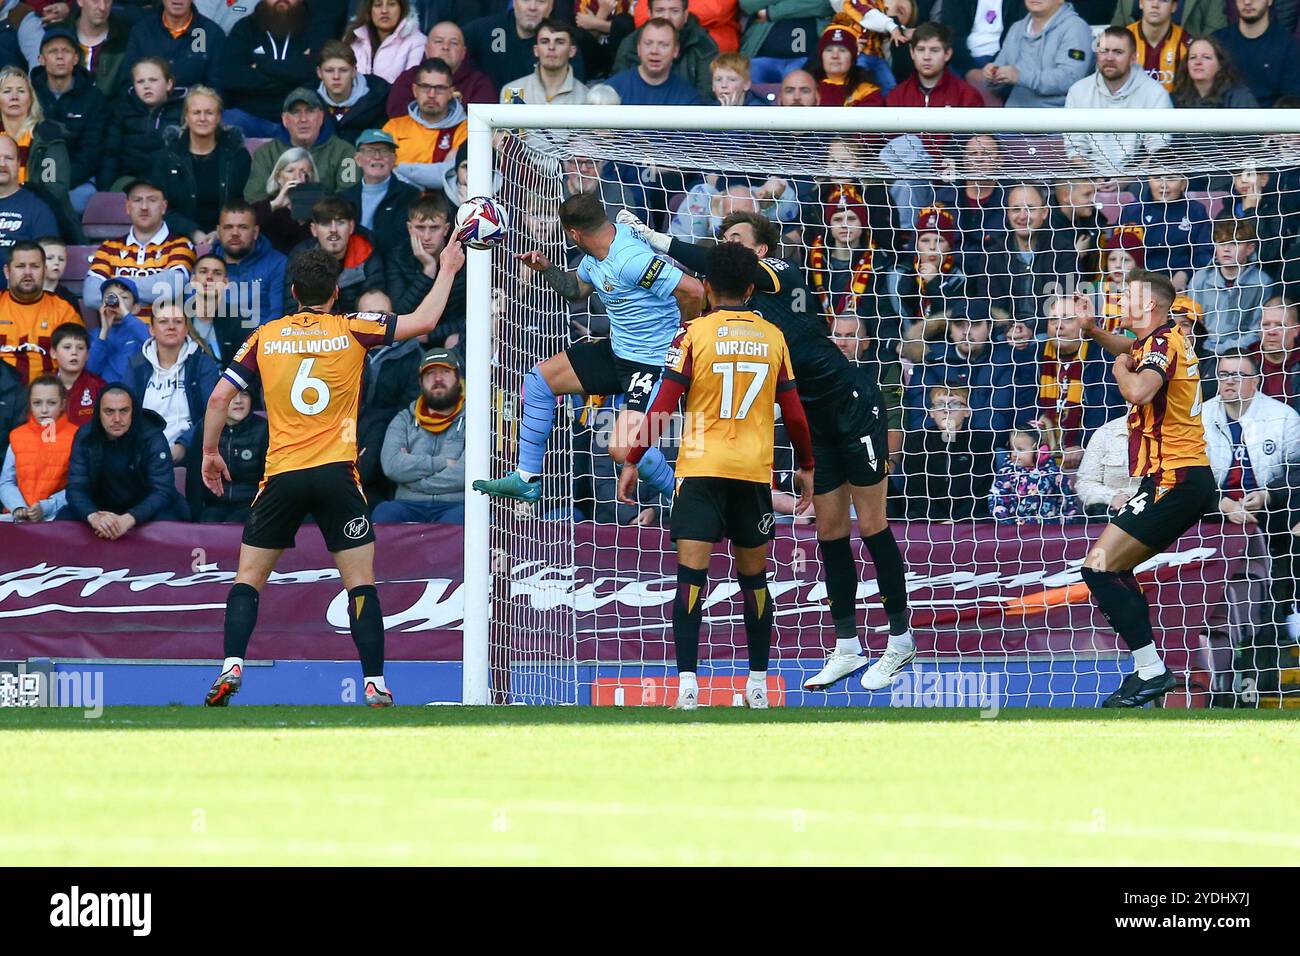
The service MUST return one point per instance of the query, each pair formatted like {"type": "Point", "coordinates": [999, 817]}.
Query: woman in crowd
{"type": "Point", "coordinates": [385, 37]}
{"type": "Point", "coordinates": [842, 259]}
{"type": "Point", "coordinates": [135, 134]}
{"type": "Point", "coordinates": [840, 81]}
{"type": "Point", "coordinates": [1207, 80]}
{"type": "Point", "coordinates": [275, 215]}
{"type": "Point", "coordinates": [44, 165]}
{"type": "Point", "coordinates": [204, 166]}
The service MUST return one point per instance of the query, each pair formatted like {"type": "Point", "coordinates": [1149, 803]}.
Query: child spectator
{"type": "Point", "coordinates": [243, 445]}
{"type": "Point", "coordinates": [71, 346]}
{"type": "Point", "coordinates": [929, 280]}
{"type": "Point", "coordinates": [947, 467]}
{"type": "Point", "coordinates": [731, 81]}
{"type": "Point", "coordinates": [134, 136]}
{"type": "Point", "coordinates": [1190, 319]}
{"type": "Point", "coordinates": [1232, 289]}
{"type": "Point", "coordinates": [876, 23]}
{"type": "Point", "coordinates": [840, 81]}
{"type": "Point", "coordinates": [843, 259]}
{"type": "Point", "coordinates": [56, 263]}
{"type": "Point", "coordinates": [1177, 237]}
{"type": "Point", "coordinates": [34, 478]}
{"type": "Point", "coordinates": [1031, 488]}
{"type": "Point", "coordinates": [121, 332]}
{"type": "Point", "coordinates": [1122, 252]}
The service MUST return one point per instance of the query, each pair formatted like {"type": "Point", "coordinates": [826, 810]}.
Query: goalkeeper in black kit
{"type": "Point", "coordinates": [847, 418]}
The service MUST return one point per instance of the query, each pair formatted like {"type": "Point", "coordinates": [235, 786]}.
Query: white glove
{"type": "Point", "coordinates": [658, 241]}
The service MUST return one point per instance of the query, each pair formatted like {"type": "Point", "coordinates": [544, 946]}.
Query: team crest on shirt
{"type": "Point", "coordinates": [608, 285]}
{"type": "Point", "coordinates": [445, 142]}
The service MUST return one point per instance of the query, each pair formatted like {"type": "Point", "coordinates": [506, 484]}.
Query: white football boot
{"type": "Point", "coordinates": [886, 670]}
{"type": "Point", "coordinates": [688, 696]}
{"type": "Point", "coordinates": [756, 695]}
{"type": "Point", "coordinates": [837, 667]}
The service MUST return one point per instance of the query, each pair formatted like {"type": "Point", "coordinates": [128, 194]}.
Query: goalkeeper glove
{"type": "Point", "coordinates": [658, 241]}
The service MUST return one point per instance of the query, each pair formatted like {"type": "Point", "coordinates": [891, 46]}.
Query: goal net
{"type": "Point", "coordinates": [954, 255]}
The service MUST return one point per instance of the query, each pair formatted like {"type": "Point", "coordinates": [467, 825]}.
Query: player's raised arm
{"type": "Point", "coordinates": [570, 286]}
{"type": "Point", "coordinates": [695, 256]}
{"type": "Point", "coordinates": [429, 312]}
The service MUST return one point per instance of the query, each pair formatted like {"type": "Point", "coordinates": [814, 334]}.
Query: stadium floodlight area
{"type": "Point", "coordinates": [568, 601]}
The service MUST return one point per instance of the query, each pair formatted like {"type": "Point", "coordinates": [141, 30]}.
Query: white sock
{"type": "Point", "coordinates": [848, 645]}
{"type": "Point", "coordinates": [758, 677]}
{"type": "Point", "coordinates": [1148, 662]}
{"type": "Point", "coordinates": [686, 677]}
{"type": "Point", "coordinates": [232, 662]}
{"type": "Point", "coordinates": [902, 642]}
{"type": "Point", "coordinates": [526, 475]}
{"type": "Point", "coordinates": [378, 682]}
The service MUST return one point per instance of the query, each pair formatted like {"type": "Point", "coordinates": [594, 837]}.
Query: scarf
{"type": "Point", "coordinates": [434, 421]}
{"type": "Point", "coordinates": [819, 269]}
{"type": "Point", "coordinates": [1060, 391]}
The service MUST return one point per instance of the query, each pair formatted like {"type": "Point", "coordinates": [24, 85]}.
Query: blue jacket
{"type": "Point", "coordinates": [265, 266]}
{"type": "Point", "coordinates": [1177, 237]}
{"type": "Point", "coordinates": [201, 374]}
{"type": "Point", "coordinates": [109, 356]}
{"type": "Point", "coordinates": [196, 55]}
{"type": "Point", "coordinates": [998, 378]}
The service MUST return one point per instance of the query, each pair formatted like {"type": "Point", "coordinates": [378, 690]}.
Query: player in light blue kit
{"type": "Point", "coordinates": [647, 299]}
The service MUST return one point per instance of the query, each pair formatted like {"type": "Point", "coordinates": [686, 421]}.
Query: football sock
{"type": "Point", "coordinates": [842, 592]}
{"type": "Point", "coordinates": [232, 662]}
{"type": "Point", "coordinates": [366, 622]}
{"type": "Point", "coordinates": [901, 642]}
{"type": "Point", "coordinates": [758, 618]}
{"type": "Point", "coordinates": [1122, 603]}
{"type": "Point", "coordinates": [758, 677]}
{"type": "Point", "coordinates": [655, 471]}
{"type": "Point", "coordinates": [537, 424]}
{"type": "Point", "coordinates": [241, 618]}
{"type": "Point", "coordinates": [1148, 662]}
{"type": "Point", "coordinates": [688, 611]}
{"type": "Point", "coordinates": [891, 577]}
{"type": "Point", "coordinates": [378, 682]}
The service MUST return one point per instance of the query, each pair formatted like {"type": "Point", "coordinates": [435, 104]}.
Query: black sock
{"type": "Point", "coordinates": [841, 586]}
{"type": "Point", "coordinates": [1122, 603]}
{"type": "Point", "coordinates": [688, 610]}
{"type": "Point", "coordinates": [758, 618]}
{"type": "Point", "coordinates": [891, 577]}
{"type": "Point", "coordinates": [241, 618]}
{"type": "Point", "coordinates": [366, 621]}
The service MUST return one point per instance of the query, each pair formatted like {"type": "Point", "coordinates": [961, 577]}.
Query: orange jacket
{"type": "Point", "coordinates": [41, 465]}
{"type": "Point", "coordinates": [720, 17]}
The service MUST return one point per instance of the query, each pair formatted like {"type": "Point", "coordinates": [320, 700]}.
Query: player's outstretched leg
{"type": "Point", "coordinates": [538, 421]}
{"type": "Point", "coordinates": [758, 633]}
{"type": "Point", "coordinates": [688, 612]}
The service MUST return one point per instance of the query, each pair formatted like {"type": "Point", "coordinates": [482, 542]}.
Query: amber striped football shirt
{"type": "Point", "coordinates": [130, 258]}
{"type": "Point", "coordinates": [1165, 435]}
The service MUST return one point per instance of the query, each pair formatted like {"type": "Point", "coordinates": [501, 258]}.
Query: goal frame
{"type": "Point", "coordinates": [486, 119]}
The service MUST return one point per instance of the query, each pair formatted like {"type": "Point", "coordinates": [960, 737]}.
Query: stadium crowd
{"type": "Point", "coordinates": [161, 162]}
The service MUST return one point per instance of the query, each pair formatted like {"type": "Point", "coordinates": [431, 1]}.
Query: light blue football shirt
{"type": "Point", "coordinates": [636, 286]}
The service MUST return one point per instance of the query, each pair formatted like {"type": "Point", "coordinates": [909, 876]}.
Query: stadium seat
{"type": "Point", "coordinates": [74, 275]}
{"type": "Point", "coordinates": [1112, 204]}
{"type": "Point", "coordinates": [1212, 200]}
{"type": "Point", "coordinates": [105, 216]}
{"type": "Point", "coordinates": [251, 143]}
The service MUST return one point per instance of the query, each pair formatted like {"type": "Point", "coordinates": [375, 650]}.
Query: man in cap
{"type": "Point", "coordinates": [302, 118]}
{"type": "Point", "coordinates": [381, 198]}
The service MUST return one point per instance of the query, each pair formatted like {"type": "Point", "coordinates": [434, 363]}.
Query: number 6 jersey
{"type": "Point", "coordinates": [310, 364]}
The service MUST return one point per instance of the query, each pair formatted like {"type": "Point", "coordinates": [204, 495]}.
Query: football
{"type": "Point", "coordinates": [480, 223]}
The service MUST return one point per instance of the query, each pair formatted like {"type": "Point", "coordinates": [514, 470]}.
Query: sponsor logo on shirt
{"type": "Point", "coordinates": [651, 273]}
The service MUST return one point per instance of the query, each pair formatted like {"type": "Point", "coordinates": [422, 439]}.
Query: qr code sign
{"type": "Point", "coordinates": [20, 690]}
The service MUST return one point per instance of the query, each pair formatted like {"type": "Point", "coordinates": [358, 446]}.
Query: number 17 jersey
{"type": "Point", "coordinates": [310, 364]}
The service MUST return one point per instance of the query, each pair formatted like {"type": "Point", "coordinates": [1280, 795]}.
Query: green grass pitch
{"type": "Point", "coordinates": [514, 785]}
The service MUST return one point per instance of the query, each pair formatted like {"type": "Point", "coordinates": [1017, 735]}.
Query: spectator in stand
{"type": "Point", "coordinates": [842, 260]}
{"type": "Point", "coordinates": [391, 382]}
{"type": "Point", "coordinates": [424, 449]}
{"type": "Point", "coordinates": [731, 82]}
{"type": "Point", "coordinates": [270, 53]}
{"type": "Point", "coordinates": [978, 201]}
{"type": "Point", "coordinates": [433, 129]}
{"type": "Point", "coordinates": [1176, 230]}
{"type": "Point", "coordinates": [1276, 216]}
{"type": "Point", "coordinates": [1276, 355]}
{"type": "Point", "coordinates": [602, 26]}
{"type": "Point", "coordinates": [553, 80]}
{"type": "Point", "coordinates": [121, 333]}
{"type": "Point", "coordinates": [719, 18]}
{"type": "Point", "coordinates": [219, 318]}
{"type": "Point", "coordinates": [354, 101]}
{"type": "Point", "coordinates": [779, 35]}
{"type": "Point", "coordinates": [1118, 84]}
{"type": "Point", "coordinates": [190, 42]}
{"type": "Point", "coordinates": [102, 38]}
{"type": "Point", "coordinates": [446, 42]}
{"type": "Point", "coordinates": [1121, 253]}
{"type": "Point", "coordinates": [385, 35]}
{"type": "Point", "coordinates": [382, 198]}
{"type": "Point", "coordinates": [34, 477]}
{"type": "Point", "coordinates": [701, 213]}
{"type": "Point", "coordinates": [275, 215]}
{"type": "Point", "coordinates": [1103, 483]}
{"type": "Point", "coordinates": [1232, 289]}
{"type": "Point", "coordinates": [13, 402]}
{"type": "Point", "coordinates": [243, 443]}
{"type": "Point", "coordinates": [226, 14]}
{"type": "Point", "coordinates": [1189, 316]}
{"type": "Point", "coordinates": [947, 465]}
{"type": "Point", "coordinates": [840, 81]}
{"type": "Point", "coordinates": [1198, 17]}
{"type": "Point", "coordinates": [409, 270]}
{"type": "Point", "coordinates": [173, 376]}
{"type": "Point", "coordinates": [654, 82]}
{"type": "Point", "coordinates": [1207, 80]}
{"type": "Point", "coordinates": [45, 167]}
{"type": "Point", "coordinates": [28, 314]}
{"type": "Point", "coordinates": [1161, 43]}
{"type": "Point", "coordinates": [926, 282]}
{"type": "Point", "coordinates": [56, 263]}
{"type": "Point", "coordinates": [1033, 258]}
{"type": "Point", "coordinates": [1250, 439]}
{"type": "Point", "coordinates": [876, 22]}
{"type": "Point", "coordinates": [966, 359]}
{"type": "Point", "coordinates": [931, 82]}
{"type": "Point", "coordinates": [135, 134]}
{"type": "Point", "coordinates": [502, 45]}
{"type": "Point", "coordinates": [1042, 56]}
{"type": "Point", "coordinates": [23, 215]}
{"type": "Point", "coordinates": [303, 118]}
{"type": "Point", "coordinates": [1074, 217]}
{"type": "Point", "coordinates": [70, 344]}
{"type": "Point", "coordinates": [799, 88]}
{"type": "Point", "coordinates": [68, 96]}
{"type": "Point", "coordinates": [979, 28]}
{"type": "Point", "coordinates": [253, 266]}
{"type": "Point", "coordinates": [1031, 488]}
{"type": "Point", "coordinates": [120, 474]}
{"type": "Point", "coordinates": [695, 50]}
{"type": "Point", "coordinates": [334, 229]}
{"type": "Point", "coordinates": [1265, 52]}
{"type": "Point", "coordinates": [204, 166]}
{"type": "Point", "coordinates": [618, 185]}
{"type": "Point", "coordinates": [158, 262]}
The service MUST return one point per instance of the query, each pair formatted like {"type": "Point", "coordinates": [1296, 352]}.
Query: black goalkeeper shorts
{"type": "Point", "coordinates": [850, 443]}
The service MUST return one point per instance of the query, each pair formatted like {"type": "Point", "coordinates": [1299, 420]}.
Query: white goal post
{"type": "Point", "coordinates": [1223, 139]}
